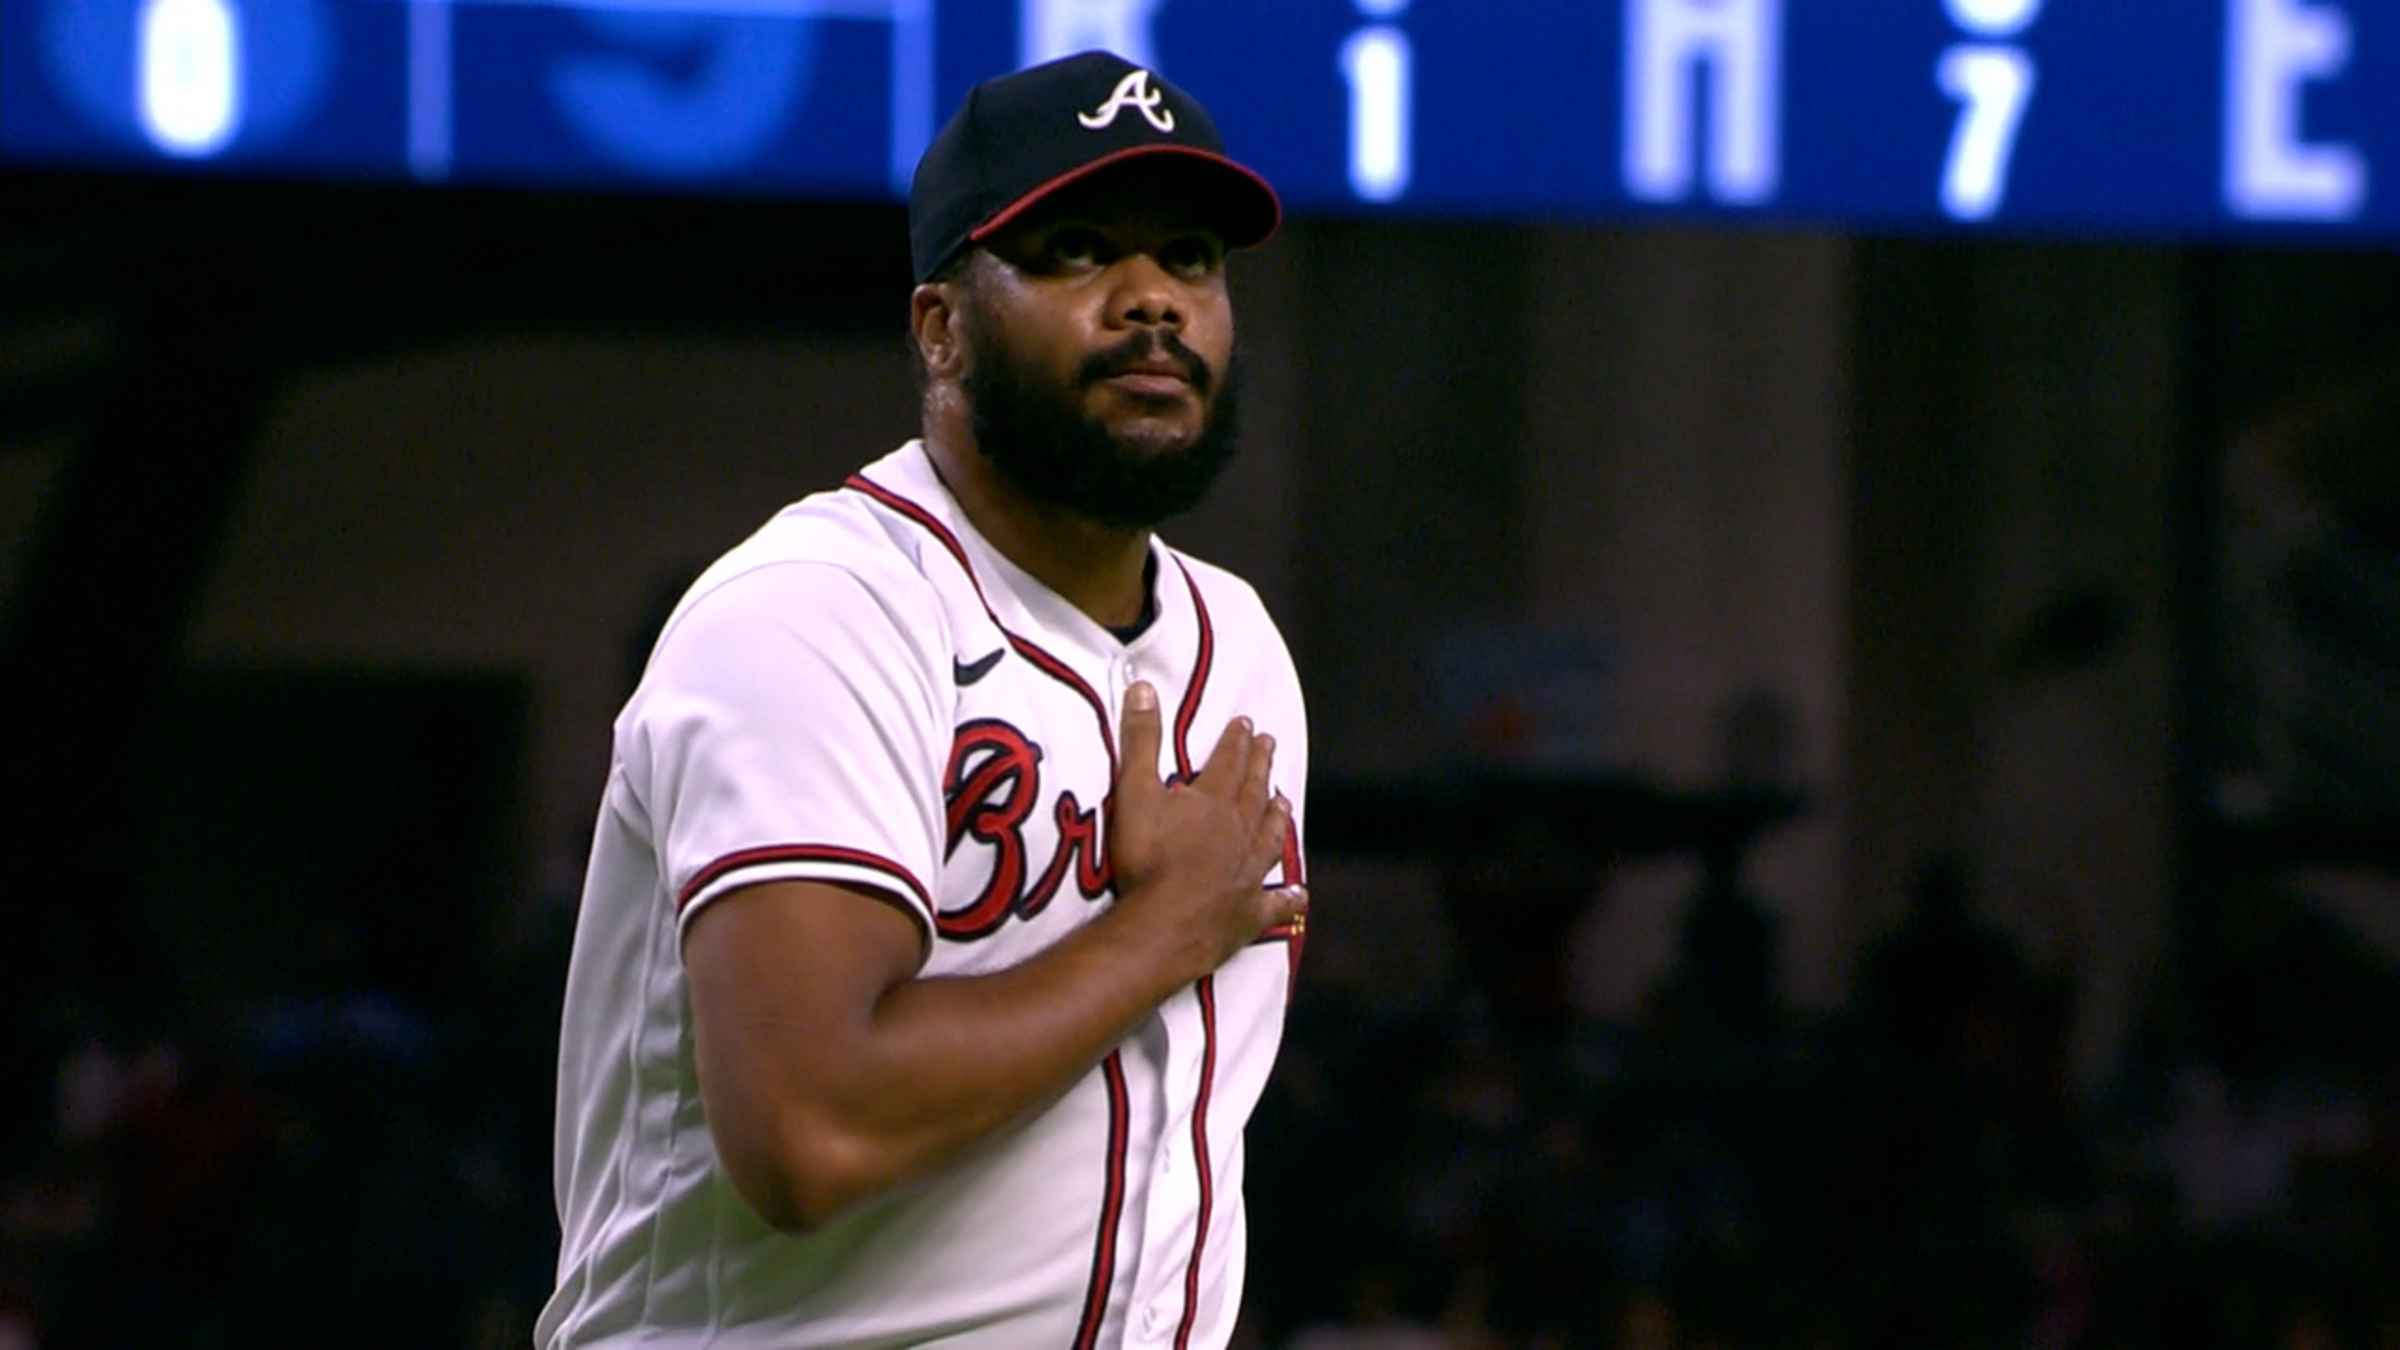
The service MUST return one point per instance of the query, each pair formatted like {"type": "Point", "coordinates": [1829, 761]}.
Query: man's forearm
{"type": "Point", "coordinates": [942, 1063]}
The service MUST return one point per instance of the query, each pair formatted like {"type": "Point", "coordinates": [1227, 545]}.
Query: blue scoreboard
{"type": "Point", "coordinates": [2157, 118]}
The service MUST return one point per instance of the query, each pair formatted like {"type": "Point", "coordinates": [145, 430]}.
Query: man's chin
{"type": "Point", "coordinates": [1147, 426]}
{"type": "Point", "coordinates": [1141, 437]}
{"type": "Point", "coordinates": [1148, 444]}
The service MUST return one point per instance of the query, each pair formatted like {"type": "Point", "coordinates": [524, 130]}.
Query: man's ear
{"type": "Point", "coordinates": [935, 319]}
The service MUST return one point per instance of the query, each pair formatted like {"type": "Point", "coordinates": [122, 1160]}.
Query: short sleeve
{"type": "Point", "coordinates": [791, 727]}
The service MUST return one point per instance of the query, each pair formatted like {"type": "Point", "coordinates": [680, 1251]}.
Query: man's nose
{"type": "Point", "coordinates": [1146, 294]}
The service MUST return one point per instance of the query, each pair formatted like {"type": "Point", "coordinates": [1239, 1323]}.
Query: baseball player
{"type": "Point", "coordinates": [947, 888]}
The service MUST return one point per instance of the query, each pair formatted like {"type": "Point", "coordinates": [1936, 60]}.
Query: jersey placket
{"type": "Point", "coordinates": [1159, 1232]}
{"type": "Point", "coordinates": [1169, 656]}
{"type": "Point", "coordinates": [1169, 1222]}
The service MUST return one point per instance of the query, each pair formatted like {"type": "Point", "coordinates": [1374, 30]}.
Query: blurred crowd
{"type": "Point", "coordinates": [358, 1157]}
{"type": "Point", "coordinates": [361, 1157]}
{"type": "Point", "coordinates": [1915, 1169]}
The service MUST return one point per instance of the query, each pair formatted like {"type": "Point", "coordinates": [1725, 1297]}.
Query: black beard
{"type": "Point", "coordinates": [1048, 448]}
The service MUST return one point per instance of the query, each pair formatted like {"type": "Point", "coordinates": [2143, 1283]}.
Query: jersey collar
{"type": "Point", "coordinates": [1016, 595]}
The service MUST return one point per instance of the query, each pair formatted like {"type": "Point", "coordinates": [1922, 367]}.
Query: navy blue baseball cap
{"type": "Point", "coordinates": [1020, 137]}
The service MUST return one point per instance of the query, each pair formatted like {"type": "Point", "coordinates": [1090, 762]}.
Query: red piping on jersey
{"type": "Point", "coordinates": [782, 853]}
{"type": "Point", "coordinates": [1042, 660]}
{"type": "Point", "coordinates": [1112, 1207]}
{"type": "Point", "coordinates": [1206, 989]}
{"type": "Point", "coordinates": [1208, 1072]}
{"type": "Point", "coordinates": [1200, 666]}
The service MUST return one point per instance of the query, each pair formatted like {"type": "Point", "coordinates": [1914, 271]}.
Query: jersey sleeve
{"type": "Point", "coordinates": [791, 726]}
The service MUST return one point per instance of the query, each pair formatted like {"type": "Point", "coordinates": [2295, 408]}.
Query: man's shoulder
{"type": "Point", "coordinates": [788, 561]}
{"type": "Point", "coordinates": [1233, 603]}
{"type": "Point", "coordinates": [1242, 628]}
{"type": "Point", "coordinates": [835, 526]}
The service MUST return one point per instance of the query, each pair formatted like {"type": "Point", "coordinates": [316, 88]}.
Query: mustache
{"type": "Point", "coordinates": [1146, 346]}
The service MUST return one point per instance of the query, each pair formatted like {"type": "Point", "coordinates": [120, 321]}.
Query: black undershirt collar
{"type": "Point", "coordinates": [1139, 626]}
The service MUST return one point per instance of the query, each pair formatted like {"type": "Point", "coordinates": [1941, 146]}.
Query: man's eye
{"type": "Point", "coordinates": [1192, 257]}
{"type": "Point", "coordinates": [1075, 247]}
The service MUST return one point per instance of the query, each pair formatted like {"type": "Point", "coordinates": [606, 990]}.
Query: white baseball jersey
{"type": "Point", "coordinates": [865, 691]}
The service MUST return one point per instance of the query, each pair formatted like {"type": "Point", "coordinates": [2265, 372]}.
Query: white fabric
{"type": "Point", "coordinates": [802, 716]}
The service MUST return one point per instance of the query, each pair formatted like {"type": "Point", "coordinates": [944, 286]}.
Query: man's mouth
{"type": "Point", "coordinates": [1152, 381]}
{"type": "Point", "coordinates": [1159, 372]}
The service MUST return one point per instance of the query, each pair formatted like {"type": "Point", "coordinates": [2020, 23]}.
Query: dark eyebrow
{"type": "Point", "coordinates": [1055, 224]}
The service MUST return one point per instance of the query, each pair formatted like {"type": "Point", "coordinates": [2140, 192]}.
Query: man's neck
{"type": "Point", "coordinates": [1096, 568]}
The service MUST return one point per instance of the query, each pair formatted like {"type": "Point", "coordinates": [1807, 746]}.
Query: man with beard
{"type": "Point", "coordinates": [947, 891]}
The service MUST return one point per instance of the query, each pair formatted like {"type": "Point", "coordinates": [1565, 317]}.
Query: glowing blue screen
{"type": "Point", "coordinates": [2113, 117]}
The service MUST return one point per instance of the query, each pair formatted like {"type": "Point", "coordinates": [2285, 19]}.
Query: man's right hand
{"type": "Point", "coordinates": [1190, 858]}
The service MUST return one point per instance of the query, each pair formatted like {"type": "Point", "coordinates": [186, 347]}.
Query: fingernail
{"type": "Point", "coordinates": [1266, 742]}
{"type": "Point", "coordinates": [1244, 724]}
{"type": "Point", "coordinates": [1141, 697]}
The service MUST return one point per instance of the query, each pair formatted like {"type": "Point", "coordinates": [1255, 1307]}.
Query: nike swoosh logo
{"type": "Point", "coordinates": [968, 672]}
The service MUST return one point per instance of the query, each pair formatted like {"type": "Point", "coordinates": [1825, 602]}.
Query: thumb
{"type": "Point", "coordinates": [1137, 744]}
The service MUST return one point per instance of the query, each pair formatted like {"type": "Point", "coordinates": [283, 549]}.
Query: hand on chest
{"type": "Point", "coordinates": [1026, 785]}
{"type": "Point", "coordinates": [1027, 781]}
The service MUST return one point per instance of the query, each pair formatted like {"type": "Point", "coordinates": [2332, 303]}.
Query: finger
{"type": "Point", "coordinates": [1285, 905]}
{"type": "Point", "coordinates": [1137, 736]}
{"type": "Point", "coordinates": [1222, 774]}
{"type": "Point", "coordinates": [1266, 842]}
{"type": "Point", "coordinates": [1253, 796]}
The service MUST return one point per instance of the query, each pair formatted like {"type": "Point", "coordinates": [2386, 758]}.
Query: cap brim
{"type": "Point", "coordinates": [1245, 213]}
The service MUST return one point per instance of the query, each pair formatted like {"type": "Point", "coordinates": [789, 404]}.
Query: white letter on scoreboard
{"type": "Point", "coordinates": [1993, 86]}
{"type": "Point", "coordinates": [2272, 47]}
{"type": "Point", "coordinates": [190, 59]}
{"type": "Point", "coordinates": [1375, 61]}
{"type": "Point", "coordinates": [1666, 42]}
{"type": "Point", "coordinates": [1049, 29]}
